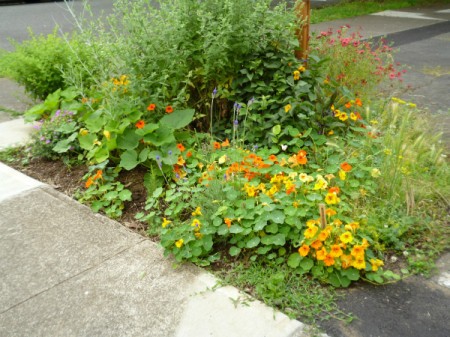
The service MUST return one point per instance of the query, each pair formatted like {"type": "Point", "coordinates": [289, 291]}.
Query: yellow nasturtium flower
{"type": "Point", "coordinates": [287, 108]}
{"type": "Point", "coordinates": [166, 222]}
{"type": "Point", "coordinates": [179, 243]}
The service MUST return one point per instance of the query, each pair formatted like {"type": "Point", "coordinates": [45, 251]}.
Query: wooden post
{"type": "Point", "coordinates": [323, 216]}
{"type": "Point", "coordinates": [303, 10]}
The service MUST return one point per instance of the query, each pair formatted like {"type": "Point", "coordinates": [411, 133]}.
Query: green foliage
{"type": "Point", "coordinates": [103, 193]}
{"type": "Point", "coordinates": [38, 63]}
{"type": "Point", "coordinates": [279, 286]}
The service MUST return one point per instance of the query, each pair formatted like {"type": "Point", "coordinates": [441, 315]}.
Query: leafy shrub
{"type": "Point", "coordinates": [38, 63]}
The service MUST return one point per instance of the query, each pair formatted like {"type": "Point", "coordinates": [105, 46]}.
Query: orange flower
{"type": "Point", "coordinates": [346, 167]}
{"type": "Point", "coordinates": [89, 182]}
{"type": "Point", "coordinates": [346, 261]}
{"type": "Point", "coordinates": [151, 107]}
{"type": "Point", "coordinates": [321, 254]}
{"type": "Point", "coordinates": [357, 251]}
{"type": "Point", "coordinates": [301, 157]}
{"type": "Point", "coordinates": [181, 147]}
{"type": "Point", "coordinates": [216, 145]}
{"type": "Point", "coordinates": [329, 260]}
{"type": "Point", "coordinates": [323, 236]}
{"type": "Point", "coordinates": [140, 124]}
{"type": "Point", "coordinates": [303, 250]}
{"type": "Point", "coordinates": [228, 222]}
{"type": "Point", "coordinates": [273, 158]}
{"type": "Point", "coordinates": [226, 143]}
{"type": "Point", "coordinates": [330, 212]}
{"type": "Point", "coordinates": [169, 109]}
{"type": "Point", "coordinates": [348, 105]}
{"type": "Point", "coordinates": [189, 154]}
{"type": "Point", "coordinates": [316, 244]}
{"type": "Point", "coordinates": [358, 102]}
{"type": "Point", "coordinates": [334, 189]}
{"type": "Point", "coordinates": [336, 251]}
{"type": "Point", "coordinates": [98, 175]}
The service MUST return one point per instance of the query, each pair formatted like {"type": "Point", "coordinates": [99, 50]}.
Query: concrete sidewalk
{"type": "Point", "coordinates": [65, 271]}
{"type": "Point", "coordinates": [68, 272]}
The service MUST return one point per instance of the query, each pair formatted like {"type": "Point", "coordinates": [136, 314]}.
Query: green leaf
{"type": "Point", "coordinates": [294, 260]}
{"type": "Point", "coordinates": [277, 216]}
{"type": "Point", "coordinates": [129, 160]}
{"type": "Point", "coordinates": [129, 140]}
{"type": "Point", "coordinates": [148, 128]}
{"type": "Point", "coordinates": [278, 239]}
{"type": "Point", "coordinates": [252, 243]}
{"type": "Point", "coordinates": [276, 130]}
{"type": "Point", "coordinates": [163, 135]}
{"type": "Point", "coordinates": [273, 228]}
{"type": "Point", "coordinates": [64, 145]}
{"type": "Point", "coordinates": [260, 224]}
{"type": "Point", "coordinates": [306, 264]}
{"type": "Point", "coordinates": [125, 195]}
{"type": "Point", "coordinates": [178, 119]}
{"type": "Point", "coordinates": [234, 251]}
{"type": "Point", "coordinates": [235, 229]}
{"type": "Point", "coordinates": [87, 141]}
{"type": "Point", "coordinates": [102, 154]}
{"type": "Point", "coordinates": [351, 274]}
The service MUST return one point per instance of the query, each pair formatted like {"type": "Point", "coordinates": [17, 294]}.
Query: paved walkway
{"type": "Point", "coordinates": [65, 271]}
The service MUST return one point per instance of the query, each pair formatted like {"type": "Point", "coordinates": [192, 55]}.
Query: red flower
{"type": "Point", "coordinates": [334, 189]}
{"type": "Point", "coordinates": [151, 107]}
{"type": "Point", "coordinates": [140, 124]}
{"type": "Point", "coordinates": [181, 147]}
{"type": "Point", "coordinates": [346, 167]}
{"type": "Point", "coordinates": [169, 109]}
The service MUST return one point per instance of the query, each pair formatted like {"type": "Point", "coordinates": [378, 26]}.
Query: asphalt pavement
{"type": "Point", "coordinates": [65, 271]}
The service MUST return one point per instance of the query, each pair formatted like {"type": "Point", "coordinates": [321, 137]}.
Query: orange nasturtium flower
{"type": "Point", "coordinates": [169, 109]}
{"type": "Point", "coordinates": [216, 145]}
{"type": "Point", "coordinates": [329, 260]}
{"type": "Point", "coordinates": [151, 107]}
{"type": "Point", "coordinates": [188, 154]}
{"type": "Point", "coordinates": [303, 250]}
{"type": "Point", "coordinates": [181, 147]}
{"type": "Point", "coordinates": [226, 143]}
{"type": "Point", "coordinates": [358, 102]}
{"type": "Point", "coordinates": [140, 124]}
{"type": "Point", "coordinates": [273, 158]}
{"type": "Point", "coordinates": [317, 244]}
{"type": "Point", "coordinates": [334, 189]}
{"type": "Point", "coordinates": [228, 222]}
{"type": "Point", "coordinates": [346, 167]}
{"type": "Point", "coordinates": [98, 175]}
{"type": "Point", "coordinates": [89, 182]}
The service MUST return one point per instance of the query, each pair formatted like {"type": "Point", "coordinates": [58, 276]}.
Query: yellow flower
{"type": "Point", "coordinates": [342, 174]}
{"type": "Point", "coordinates": [166, 222]}
{"type": "Point", "coordinates": [323, 235]}
{"type": "Point", "coordinates": [375, 173]}
{"type": "Point", "coordinates": [197, 212]}
{"type": "Point", "coordinates": [179, 243]}
{"type": "Point", "coordinates": [346, 237]}
{"type": "Point", "coordinates": [107, 134]}
{"type": "Point", "coordinates": [376, 263]}
{"type": "Point", "coordinates": [321, 183]}
{"type": "Point", "coordinates": [332, 199]}
{"type": "Point", "coordinates": [287, 108]}
{"type": "Point", "coordinates": [310, 232]}
{"type": "Point", "coordinates": [301, 69]}
{"type": "Point", "coordinates": [196, 223]}
{"type": "Point", "coordinates": [96, 142]}
{"type": "Point", "coordinates": [353, 117]}
{"type": "Point", "coordinates": [83, 132]}
{"type": "Point", "coordinates": [296, 75]}
{"type": "Point", "coordinates": [303, 177]}
{"type": "Point", "coordinates": [343, 116]}
{"type": "Point", "coordinates": [359, 263]}
{"type": "Point", "coordinates": [223, 159]}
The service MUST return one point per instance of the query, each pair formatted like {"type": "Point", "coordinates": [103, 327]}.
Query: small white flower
{"type": "Point", "coordinates": [284, 147]}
